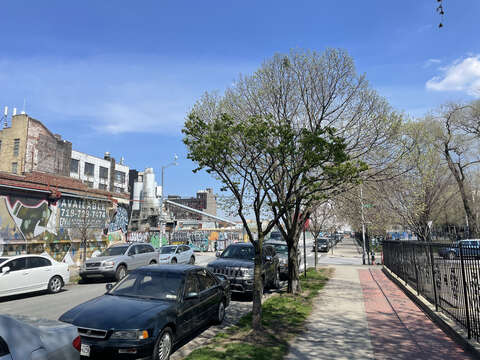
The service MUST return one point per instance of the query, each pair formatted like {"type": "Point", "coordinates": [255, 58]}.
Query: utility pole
{"type": "Point", "coordinates": [174, 163]}
{"type": "Point", "coordinates": [363, 225]}
{"type": "Point", "coordinates": [304, 254]}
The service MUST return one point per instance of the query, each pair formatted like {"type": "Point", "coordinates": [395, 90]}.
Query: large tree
{"type": "Point", "coordinates": [458, 142]}
{"type": "Point", "coordinates": [234, 151]}
{"type": "Point", "coordinates": [329, 109]}
{"type": "Point", "coordinates": [417, 197]}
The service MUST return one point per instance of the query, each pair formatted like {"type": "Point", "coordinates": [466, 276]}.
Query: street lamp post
{"type": "Point", "coordinates": [174, 163]}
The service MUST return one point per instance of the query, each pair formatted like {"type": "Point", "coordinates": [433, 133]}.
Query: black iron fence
{"type": "Point", "coordinates": [447, 274]}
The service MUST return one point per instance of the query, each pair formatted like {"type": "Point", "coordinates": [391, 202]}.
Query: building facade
{"type": "Point", "coordinates": [27, 145]}
{"type": "Point", "coordinates": [205, 201]}
{"type": "Point", "coordinates": [53, 214]}
{"type": "Point", "coordinates": [97, 173]}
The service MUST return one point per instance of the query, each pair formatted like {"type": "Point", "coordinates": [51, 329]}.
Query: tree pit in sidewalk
{"type": "Point", "coordinates": [283, 317]}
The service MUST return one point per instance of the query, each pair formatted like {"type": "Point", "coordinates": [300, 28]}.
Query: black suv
{"type": "Point", "coordinates": [236, 263]}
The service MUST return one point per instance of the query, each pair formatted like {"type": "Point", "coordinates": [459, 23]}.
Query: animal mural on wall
{"type": "Point", "coordinates": [29, 225]}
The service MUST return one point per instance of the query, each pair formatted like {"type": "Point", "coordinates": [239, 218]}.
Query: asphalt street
{"type": "Point", "coordinates": [47, 306]}
{"type": "Point", "coordinates": [42, 307]}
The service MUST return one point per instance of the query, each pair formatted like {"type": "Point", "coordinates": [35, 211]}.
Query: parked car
{"type": "Point", "coordinates": [20, 340]}
{"type": "Point", "coordinates": [27, 273]}
{"type": "Point", "coordinates": [150, 310]}
{"type": "Point", "coordinates": [237, 263]}
{"type": "Point", "coordinates": [470, 248]}
{"type": "Point", "coordinates": [322, 244]}
{"type": "Point", "coordinates": [281, 249]}
{"type": "Point", "coordinates": [176, 254]}
{"type": "Point", "coordinates": [117, 260]}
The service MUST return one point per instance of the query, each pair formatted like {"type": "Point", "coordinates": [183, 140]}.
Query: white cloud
{"type": "Point", "coordinates": [463, 75]}
{"type": "Point", "coordinates": [431, 62]}
{"type": "Point", "coordinates": [112, 94]}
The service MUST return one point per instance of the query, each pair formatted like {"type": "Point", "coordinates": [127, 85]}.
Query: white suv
{"type": "Point", "coordinates": [173, 254]}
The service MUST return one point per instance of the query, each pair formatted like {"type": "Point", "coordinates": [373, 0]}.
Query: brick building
{"type": "Point", "coordinates": [205, 201]}
{"type": "Point", "coordinates": [27, 145]}
{"type": "Point", "coordinates": [42, 212]}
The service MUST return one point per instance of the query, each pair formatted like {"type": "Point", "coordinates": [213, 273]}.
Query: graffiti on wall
{"type": "Point", "coordinates": [29, 225]}
{"type": "Point", "coordinates": [204, 240]}
{"type": "Point", "coordinates": [152, 237]}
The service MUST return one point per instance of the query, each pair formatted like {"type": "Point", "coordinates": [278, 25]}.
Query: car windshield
{"type": "Point", "coordinates": [114, 251]}
{"type": "Point", "coordinates": [150, 285]}
{"type": "Point", "coordinates": [239, 252]}
{"type": "Point", "coordinates": [167, 249]}
{"type": "Point", "coordinates": [280, 248]}
{"type": "Point", "coordinates": [322, 241]}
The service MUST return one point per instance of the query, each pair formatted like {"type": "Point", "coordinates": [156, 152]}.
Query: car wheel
{"type": "Point", "coordinates": [192, 260]}
{"type": "Point", "coordinates": [120, 273]}
{"type": "Point", "coordinates": [55, 284]}
{"type": "Point", "coordinates": [153, 262]}
{"type": "Point", "coordinates": [451, 255]}
{"type": "Point", "coordinates": [83, 280]}
{"type": "Point", "coordinates": [163, 345]}
{"type": "Point", "coordinates": [174, 261]}
{"type": "Point", "coordinates": [220, 313]}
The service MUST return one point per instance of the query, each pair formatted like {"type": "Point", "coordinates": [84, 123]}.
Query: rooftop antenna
{"type": "Point", "coordinates": [14, 111]}
{"type": "Point", "coordinates": [24, 106]}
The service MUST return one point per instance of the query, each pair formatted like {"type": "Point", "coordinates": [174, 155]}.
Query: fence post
{"type": "Point", "coordinates": [433, 277]}
{"type": "Point", "coordinates": [404, 265]}
{"type": "Point", "coordinates": [414, 250]}
{"type": "Point", "coordinates": [464, 280]}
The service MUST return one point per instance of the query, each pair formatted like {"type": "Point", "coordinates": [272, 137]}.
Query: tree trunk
{"type": "Point", "coordinates": [257, 290]}
{"type": "Point", "coordinates": [316, 250]}
{"type": "Point", "coordinates": [466, 198]}
{"type": "Point", "coordinates": [293, 276]}
{"type": "Point", "coordinates": [84, 241]}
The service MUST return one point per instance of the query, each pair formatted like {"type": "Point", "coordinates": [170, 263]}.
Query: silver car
{"type": "Point", "coordinates": [118, 259]}
{"type": "Point", "coordinates": [173, 254]}
{"type": "Point", "coordinates": [22, 339]}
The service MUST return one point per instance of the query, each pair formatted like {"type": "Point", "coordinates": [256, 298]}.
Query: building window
{"type": "Point", "coordinates": [118, 189]}
{"type": "Point", "coordinates": [16, 147]}
{"type": "Point", "coordinates": [119, 177]}
{"type": "Point", "coordinates": [103, 172]}
{"type": "Point", "coordinates": [89, 169]}
{"type": "Point", "coordinates": [74, 165]}
{"type": "Point", "coordinates": [14, 167]}
{"type": "Point", "coordinates": [89, 183]}
{"type": "Point", "coordinates": [102, 186]}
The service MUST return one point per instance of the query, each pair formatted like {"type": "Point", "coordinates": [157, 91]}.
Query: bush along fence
{"type": "Point", "coordinates": [448, 275]}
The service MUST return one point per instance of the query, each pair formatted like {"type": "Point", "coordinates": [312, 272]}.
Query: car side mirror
{"type": "Point", "coordinates": [192, 295]}
{"type": "Point", "coordinates": [218, 254]}
{"type": "Point", "coordinates": [109, 287]}
{"type": "Point", "coordinates": [5, 269]}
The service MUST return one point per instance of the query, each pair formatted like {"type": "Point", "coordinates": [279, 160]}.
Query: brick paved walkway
{"type": "Point", "coordinates": [361, 314]}
{"type": "Point", "coordinates": [398, 328]}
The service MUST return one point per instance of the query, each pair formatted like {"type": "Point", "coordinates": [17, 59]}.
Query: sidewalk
{"type": "Point", "coordinates": [361, 314]}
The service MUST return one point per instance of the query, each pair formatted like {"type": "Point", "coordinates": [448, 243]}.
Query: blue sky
{"type": "Point", "coordinates": [120, 76]}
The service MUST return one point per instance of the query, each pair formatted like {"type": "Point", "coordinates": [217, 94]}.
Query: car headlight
{"type": "Point", "coordinates": [108, 263]}
{"type": "Point", "coordinates": [130, 334]}
{"type": "Point", "coordinates": [247, 272]}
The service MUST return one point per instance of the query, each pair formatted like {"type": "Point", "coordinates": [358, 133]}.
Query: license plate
{"type": "Point", "coordinates": [85, 350]}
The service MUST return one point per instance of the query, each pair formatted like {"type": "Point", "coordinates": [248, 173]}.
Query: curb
{"type": "Point", "coordinates": [449, 327]}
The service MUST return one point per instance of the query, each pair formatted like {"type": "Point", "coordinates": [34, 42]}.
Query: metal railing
{"type": "Point", "coordinates": [448, 275]}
